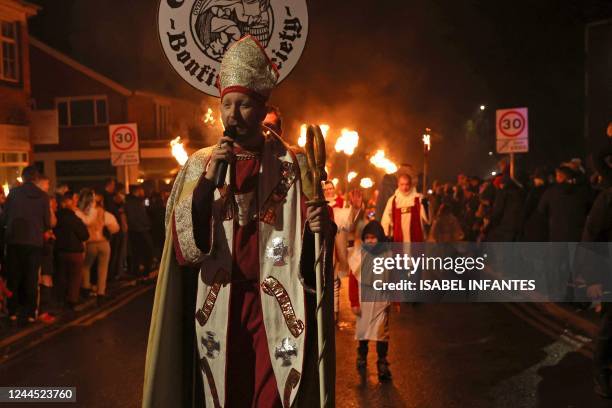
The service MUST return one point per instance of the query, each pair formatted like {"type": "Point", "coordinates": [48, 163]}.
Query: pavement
{"type": "Point", "coordinates": [441, 355]}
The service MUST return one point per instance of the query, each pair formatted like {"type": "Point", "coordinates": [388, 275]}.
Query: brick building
{"type": "Point", "coordinates": [15, 89]}
{"type": "Point", "coordinates": [87, 102]}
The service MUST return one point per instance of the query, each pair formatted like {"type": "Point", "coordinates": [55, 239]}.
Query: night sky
{"type": "Point", "coordinates": [387, 69]}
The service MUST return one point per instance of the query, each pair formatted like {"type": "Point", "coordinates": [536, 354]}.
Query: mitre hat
{"type": "Point", "coordinates": [246, 68]}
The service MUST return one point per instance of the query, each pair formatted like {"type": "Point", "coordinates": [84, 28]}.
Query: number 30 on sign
{"type": "Point", "coordinates": [512, 130]}
{"type": "Point", "coordinates": [123, 141]}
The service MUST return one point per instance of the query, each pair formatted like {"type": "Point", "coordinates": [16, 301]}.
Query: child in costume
{"type": "Point", "coordinates": [372, 316]}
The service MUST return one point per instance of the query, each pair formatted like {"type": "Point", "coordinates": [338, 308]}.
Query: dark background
{"type": "Point", "coordinates": [387, 69]}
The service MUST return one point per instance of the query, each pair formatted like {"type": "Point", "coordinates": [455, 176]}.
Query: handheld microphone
{"type": "Point", "coordinates": [223, 164]}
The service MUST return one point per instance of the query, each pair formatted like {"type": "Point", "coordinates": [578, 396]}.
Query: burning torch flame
{"type": "Point", "coordinates": [335, 181]}
{"type": "Point", "coordinates": [366, 182]}
{"type": "Point", "coordinates": [209, 118]}
{"type": "Point", "coordinates": [379, 160]}
{"type": "Point", "coordinates": [427, 141]}
{"type": "Point", "coordinates": [324, 130]}
{"type": "Point", "coordinates": [351, 176]}
{"type": "Point", "coordinates": [302, 139]}
{"type": "Point", "coordinates": [347, 142]}
{"type": "Point", "coordinates": [178, 151]}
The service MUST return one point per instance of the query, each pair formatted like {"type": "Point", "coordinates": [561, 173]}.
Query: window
{"type": "Point", "coordinates": [162, 113]}
{"type": "Point", "coordinates": [82, 111]}
{"type": "Point", "coordinates": [9, 62]}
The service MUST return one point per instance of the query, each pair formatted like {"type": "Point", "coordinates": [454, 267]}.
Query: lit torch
{"type": "Point", "coordinates": [380, 161]}
{"type": "Point", "coordinates": [209, 118]}
{"type": "Point", "coordinates": [178, 151]}
{"type": "Point", "coordinates": [426, 149]}
{"type": "Point", "coordinates": [347, 142]}
{"type": "Point", "coordinates": [302, 138]}
{"type": "Point", "coordinates": [427, 141]}
{"type": "Point", "coordinates": [366, 182]}
{"type": "Point", "coordinates": [324, 130]}
{"type": "Point", "coordinates": [351, 176]}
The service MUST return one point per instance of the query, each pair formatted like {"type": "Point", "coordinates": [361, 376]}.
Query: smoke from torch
{"type": "Point", "coordinates": [178, 151]}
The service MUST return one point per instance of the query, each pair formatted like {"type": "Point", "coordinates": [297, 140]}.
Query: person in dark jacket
{"type": "Point", "coordinates": [139, 233]}
{"type": "Point", "coordinates": [385, 190]}
{"type": "Point", "coordinates": [27, 218]}
{"type": "Point", "coordinates": [535, 225]}
{"type": "Point", "coordinates": [565, 206]}
{"type": "Point", "coordinates": [507, 212]}
{"type": "Point", "coordinates": [70, 233]}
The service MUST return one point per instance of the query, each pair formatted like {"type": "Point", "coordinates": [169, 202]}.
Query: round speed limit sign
{"type": "Point", "coordinates": [512, 123]}
{"type": "Point", "coordinates": [123, 138]}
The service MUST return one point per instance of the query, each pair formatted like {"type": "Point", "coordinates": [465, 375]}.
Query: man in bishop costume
{"type": "Point", "coordinates": [234, 317]}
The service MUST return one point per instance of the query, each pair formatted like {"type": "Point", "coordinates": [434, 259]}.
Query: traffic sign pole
{"type": "Point", "coordinates": [127, 179]}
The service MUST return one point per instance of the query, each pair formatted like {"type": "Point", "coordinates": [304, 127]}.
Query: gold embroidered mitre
{"type": "Point", "coordinates": [247, 69]}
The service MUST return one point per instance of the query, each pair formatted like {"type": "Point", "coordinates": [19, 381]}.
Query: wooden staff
{"type": "Point", "coordinates": [315, 154]}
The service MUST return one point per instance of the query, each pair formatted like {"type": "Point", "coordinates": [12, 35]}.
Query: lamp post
{"type": "Point", "coordinates": [426, 149]}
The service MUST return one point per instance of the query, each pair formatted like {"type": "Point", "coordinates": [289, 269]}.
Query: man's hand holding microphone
{"type": "Point", "coordinates": [221, 157]}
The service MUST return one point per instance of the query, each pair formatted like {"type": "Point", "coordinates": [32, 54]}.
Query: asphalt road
{"type": "Point", "coordinates": [445, 355]}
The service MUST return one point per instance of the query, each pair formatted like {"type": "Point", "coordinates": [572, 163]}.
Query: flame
{"type": "Point", "coordinates": [347, 142]}
{"type": "Point", "coordinates": [335, 181]}
{"type": "Point", "coordinates": [366, 182]}
{"type": "Point", "coordinates": [6, 189]}
{"type": "Point", "coordinates": [302, 139]}
{"type": "Point", "coordinates": [20, 180]}
{"type": "Point", "coordinates": [380, 161]}
{"type": "Point", "coordinates": [324, 130]}
{"type": "Point", "coordinates": [351, 176]}
{"type": "Point", "coordinates": [304, 127]}
{"type": "Point", "coordinates": [209, 118]}
{"type": "Point", "coordinates": [427, 141]}
{"type": "Point", "coordinates": [178, 151]}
